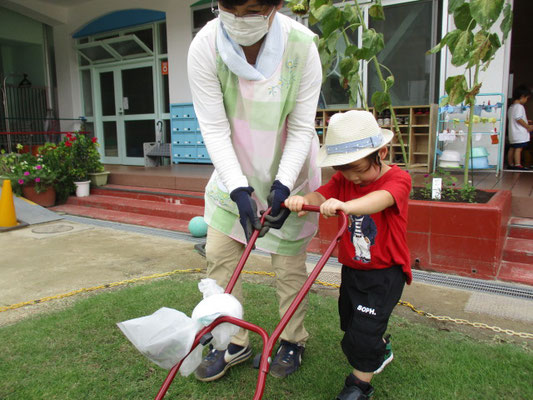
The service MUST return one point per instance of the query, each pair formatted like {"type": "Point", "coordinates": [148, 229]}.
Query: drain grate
{"type": "Point", "coordinates": [434, 278]}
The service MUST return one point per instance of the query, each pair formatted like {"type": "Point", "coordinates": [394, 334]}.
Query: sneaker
{"type": "Point", "coordinates": [355, 389]}
{"type": "Point", "coordinates": [217, 362]}
{"type": "Point", "coordinates": [287, 360]}
{"type": "Point", "coordinates": [388, 355]}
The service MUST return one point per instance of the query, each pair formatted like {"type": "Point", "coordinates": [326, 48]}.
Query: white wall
{"type": "Point", "coordinates": [67, 20]}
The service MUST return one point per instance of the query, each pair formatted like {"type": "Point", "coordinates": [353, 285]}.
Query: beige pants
{"type": "Point", "coordinates": [223, 254]}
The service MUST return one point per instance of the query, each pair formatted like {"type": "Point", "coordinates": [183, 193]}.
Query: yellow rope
{"type": "Point", "coordinates": [458, 321]}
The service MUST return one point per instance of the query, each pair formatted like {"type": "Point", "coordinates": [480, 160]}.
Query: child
{"type": "Point", "coordinates": [375, 265]}
{"type": "Point", "coordinates": [518, 127]}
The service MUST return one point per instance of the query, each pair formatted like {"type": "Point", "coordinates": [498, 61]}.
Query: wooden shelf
{"type": "Point", "coordinates": [418, 138]}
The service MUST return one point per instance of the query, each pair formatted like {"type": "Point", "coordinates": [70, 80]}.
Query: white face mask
{"type": "Point", "coordinates": [245, 30]}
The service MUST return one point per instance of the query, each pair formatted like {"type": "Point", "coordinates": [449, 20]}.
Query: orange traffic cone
{"type": "Point", "coordinates": [8, 218]}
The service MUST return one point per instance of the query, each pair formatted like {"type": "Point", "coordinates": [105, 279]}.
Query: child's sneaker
{"type": "Point", "coordinates": [388, 357]}
{"type": "Point", "coordinates": [355, 389]}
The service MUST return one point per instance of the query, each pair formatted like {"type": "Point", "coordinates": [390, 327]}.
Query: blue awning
{"type": "Point", "coordinates": [119, 20]}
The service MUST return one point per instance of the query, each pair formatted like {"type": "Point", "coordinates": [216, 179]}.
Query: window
{"type": "Point", "coordinates": [200, 17]}
{"type": "Point", "coordinates": [409, 33]}
{"type": "Point", "coordinates": [333, 94]}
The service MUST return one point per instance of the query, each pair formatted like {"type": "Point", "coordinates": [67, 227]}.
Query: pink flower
{"type": "Point", "coordinates": [426, 175]}
{"type": "Point", "coordinates": [38, 167]}
{"type": "Point", "coordinates": [37, 180]}
{"type": "Point", "coordinates": [21, 181]}
{"type": "Point", "coordinates": [26, 173]}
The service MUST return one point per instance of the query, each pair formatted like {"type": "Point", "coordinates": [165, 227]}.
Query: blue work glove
{"type": "Point", "coordinates": [247, 209]}
{"type": "Point", "coordinates": [278, 194]}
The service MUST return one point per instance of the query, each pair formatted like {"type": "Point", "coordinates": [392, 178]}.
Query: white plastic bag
{"type": "Point", "coordinates": [164, 337]}
{"type": "Point", "coordinates": [216, 303]}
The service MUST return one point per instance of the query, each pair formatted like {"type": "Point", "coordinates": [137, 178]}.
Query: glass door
{"type": "Point", "coordinates": [127, 111]}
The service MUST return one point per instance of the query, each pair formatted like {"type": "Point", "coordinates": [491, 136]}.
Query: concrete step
{"type": "Point", "coordinates": [145, 207]}
{"type": "Point", "coordinates": [518, 250]}
{"type": "Point", "coordinates": [516, 272]}
{"type": "Point", "coordinates": [521, 228]}
{"type": "Point", "coordinates": [171, 224]}
{"type": "Point", "coordinates": [151, 194]}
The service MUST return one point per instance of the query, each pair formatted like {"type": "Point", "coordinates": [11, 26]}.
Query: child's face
{"type": "Point", "coordinates": [360, 172]}
{"type": "Point", "coordinates": [524, 99]}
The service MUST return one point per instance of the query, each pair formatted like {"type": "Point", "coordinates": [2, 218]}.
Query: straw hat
{"type": "Point", "coordinates": [351, 136]}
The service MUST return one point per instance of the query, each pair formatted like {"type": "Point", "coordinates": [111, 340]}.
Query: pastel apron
{"type": "Point", "coordinates": [257, 112]}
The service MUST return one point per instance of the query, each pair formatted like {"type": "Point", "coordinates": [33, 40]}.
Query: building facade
{"type": "Point", "coordinates": [122, 63]}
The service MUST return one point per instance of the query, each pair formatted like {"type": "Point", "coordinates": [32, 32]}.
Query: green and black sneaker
{"type": "Point", "coordinates": [388, 357]}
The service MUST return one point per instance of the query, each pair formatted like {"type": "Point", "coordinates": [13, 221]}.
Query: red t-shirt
{"type": "Point", "coordinates": [379, 240]}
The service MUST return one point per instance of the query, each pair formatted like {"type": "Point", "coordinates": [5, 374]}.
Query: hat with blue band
{"type": "Point", "coordinates": [351, 136]}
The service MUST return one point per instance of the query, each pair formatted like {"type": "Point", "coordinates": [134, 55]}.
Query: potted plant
{"type": "Point", "coordinates": [72, 159]}
{"type": "Point", "coordinates": [30, 177]}
{"type": "Point", "coordinates": [98, 175]}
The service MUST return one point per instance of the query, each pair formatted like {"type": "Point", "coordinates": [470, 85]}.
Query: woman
{"type": "Point", "coordinates": [255, 77]}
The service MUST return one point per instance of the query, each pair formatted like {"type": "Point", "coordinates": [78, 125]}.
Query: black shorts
{"type": "Point", "coordinates": [366, 301]}
{"type": "Point", "coordinates": [522, 145]}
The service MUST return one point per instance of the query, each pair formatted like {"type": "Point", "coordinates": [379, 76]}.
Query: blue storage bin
{"type": "Point", "coordinates": [479, 163]}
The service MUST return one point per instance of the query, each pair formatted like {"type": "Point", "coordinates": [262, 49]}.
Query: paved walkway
{"type": "Point", "coordinates": [62, 256]}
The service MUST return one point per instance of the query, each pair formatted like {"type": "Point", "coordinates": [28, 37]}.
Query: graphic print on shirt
{"type": "Point", "coordinates": [363, 235]}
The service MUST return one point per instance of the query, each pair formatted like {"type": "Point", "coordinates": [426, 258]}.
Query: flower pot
{"type": "Point", "coordinates": [82, 188]}
{"type": "Point", "coordinates": [98, 178]}
{"type": "Point", "coordinates": [45, 199]}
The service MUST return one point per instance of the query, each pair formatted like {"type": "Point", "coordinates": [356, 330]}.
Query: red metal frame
{"type": "Point", "coordinates": [268, 341]}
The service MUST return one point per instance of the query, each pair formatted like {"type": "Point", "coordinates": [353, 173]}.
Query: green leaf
{"type": "Point", "coordinates": [462, 49]}
{"type": "Point", "coordinates": [346, 66]}
{"type": "Point", "coordinates": [486, 12]}
{"type": "Point", "coordinates": [373, 43]}
{"type": "Point", "coordinates": [322, 11]}
{"type": "Point", "coordinates": [350, 16]}
{"type": "Point", "coordinates": [453, 5]}
{"type": "Point", "coordinates": [351, 50]}
{"type": "Point", "coordinates": [495, 44]}
{"type": "Point", "coordinates": [389, 82]}
{"type": "Point", "coordinates": [331, 42]}
{"type": "Point", "coordinates": [380, 100]}
{"type": "Point", "coordinates": [314, 4]}
{"type": "Point", "coordinates": [444, 101]}
{"type": "Point", "coordinates": [331, 20]}
{"type": "Point", "coordinates": [449, 40]}
{"type": "Point", "coordinates": [376, 12]}
{"type": "Point", "coordinates": [463, 18]}
{"type": "Point", "coordinates": [507, 21]}
{"type": "Point", "coordinates": [482, 46]}
{"type": "Point", "coordinates": [457, 88]}
{"type": "Point", "coordinates": [452, 39]}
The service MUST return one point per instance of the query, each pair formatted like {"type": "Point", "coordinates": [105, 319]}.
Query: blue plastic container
{"type": "Point", "coordinates": [479, 163]}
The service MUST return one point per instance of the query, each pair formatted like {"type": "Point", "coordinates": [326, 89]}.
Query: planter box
{"type": "Point", "coordinates": [99, 178]}
{"type": "Point", "coordinates": [460, 238]}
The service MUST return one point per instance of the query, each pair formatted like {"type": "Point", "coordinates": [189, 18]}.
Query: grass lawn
{"type": "Point", "coordinates": [79, 353]}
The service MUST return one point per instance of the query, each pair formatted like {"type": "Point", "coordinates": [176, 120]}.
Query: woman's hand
{"type": "Point", "coordinates": [296, 203]}
{"type": "Point", "coordinates": [329, 207]}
